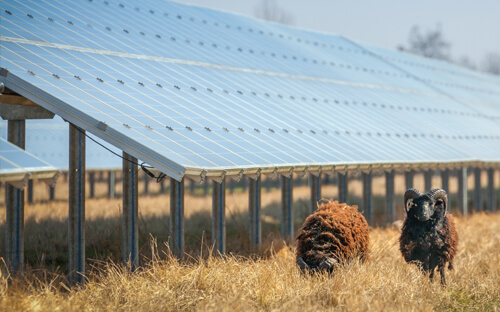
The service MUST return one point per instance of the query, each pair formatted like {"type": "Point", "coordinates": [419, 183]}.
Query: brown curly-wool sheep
{"type": "Point", "coordinates": [334, 233]}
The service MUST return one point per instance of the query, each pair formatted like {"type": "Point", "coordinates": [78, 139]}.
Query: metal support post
{"type": "Point", "coordinates": [14, 199]}
{"type": "Point", "coordinates": [367, 197]}
{"type": "Point", "coordinates": [177, 217]}
{"type": "Point", "coordinates": [342, 184]}
{"type": "Point", "coordinates": [30, 191]}
{"type": "Point", "coordinates": [491, 189]}
{"type": "Point", "coordinates": [286, 208]}
{"type": "Point", "coordinates": [445, 180]}
{"type": "Point", "coordinates": [409, 179]}
{"type": "Point", "coordinates": [462, 190]}
{"type": "Point", "coordinates": [130, 227]}
{"type": "Point", "coordinates": [315, 191]}
{"type": "Point", "coordinates": [428, 180]}
{"type": "Point", "coordinates": [92, 184]}
{"type": "Point", "coordinates": [76, 205]}
{"type": "Point", "coordinates": [254, 212]}
{"type": "Point", "coordinates": [389, 196]}
{"type": "Point", "coordinates": [219, 216]}
{"type": "Point", "coordinates": [146, 183]}
{"type": "Point", "coordinates": [52, 193]}
{"type": "Point", "coordinates": [478, 205]}
{"type": "Point", "coordinates": [111, 184]}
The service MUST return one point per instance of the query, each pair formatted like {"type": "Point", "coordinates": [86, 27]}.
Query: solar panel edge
{"type": "Point", "coordinates": [87, 123]}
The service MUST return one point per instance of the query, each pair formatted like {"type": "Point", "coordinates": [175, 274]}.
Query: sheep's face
{"type": "Point", "coordinates": [424, 208]}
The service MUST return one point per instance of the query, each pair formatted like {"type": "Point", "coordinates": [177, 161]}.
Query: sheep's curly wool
{"type": "Point", "coordinates": [335, 231]}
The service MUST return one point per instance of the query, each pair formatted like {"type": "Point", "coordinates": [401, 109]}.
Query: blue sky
{"type": "Point", "coordinates": [472, 27]}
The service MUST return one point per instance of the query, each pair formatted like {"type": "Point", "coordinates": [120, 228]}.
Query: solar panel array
{"type": "Point", "coordinates": [195, 91]}
{"type": "Point", "coordinates": [17, 165]}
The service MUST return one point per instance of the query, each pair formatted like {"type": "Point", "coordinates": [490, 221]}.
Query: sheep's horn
{"type": "Point", "coordinates": [439, 193]}
{"type": "Point", "coordinates": [411, 193]}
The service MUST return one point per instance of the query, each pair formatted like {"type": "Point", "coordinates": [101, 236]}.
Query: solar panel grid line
{"type": "Point", "coordinates": [88, 123]}
{"type": "Point", "coordinates": [88, 94]}
{"type": "Point", "coordinates": [471, 74]}
{"type": "Point", "coordinates": [116, 120]}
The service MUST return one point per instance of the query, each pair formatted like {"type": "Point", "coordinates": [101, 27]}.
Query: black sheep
{"type": "Point", "coordinates": [428, 237]}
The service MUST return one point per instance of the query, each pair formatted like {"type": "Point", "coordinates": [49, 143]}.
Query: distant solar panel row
{"type": "Point", "coordinates": [195, 91]}
{"type": "Point", "coordinates": [48, 140]}
{"type": "Point", "coordinates": [17, 165]}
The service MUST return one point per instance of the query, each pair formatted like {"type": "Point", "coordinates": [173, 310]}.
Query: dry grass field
{"type": "Point", "coordinates": [267, 280]}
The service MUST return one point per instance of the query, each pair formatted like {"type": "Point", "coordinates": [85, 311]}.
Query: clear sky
{"type": "Point", "coordinates": [472, 27]}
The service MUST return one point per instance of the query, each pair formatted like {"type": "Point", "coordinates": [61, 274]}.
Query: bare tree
{"type": "Point", "coordinates": [491, 63]}
{"type": "Point", "coordinates": [465, 61]}
{"type": "Point", "coordinates": [270, 11]}
{"type": "Point", "coordinates": [429, 44]}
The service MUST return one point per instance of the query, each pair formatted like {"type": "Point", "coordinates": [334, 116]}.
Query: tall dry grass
{"type": "Point", "coordinates": [273, 282]}
{"type": "Point", "coordinates": [268, 280]}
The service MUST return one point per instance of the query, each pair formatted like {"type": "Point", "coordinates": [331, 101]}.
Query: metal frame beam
{"type": "Point", "coordinates": [76, 215]}
{"type": "Point", "coordinates": [462, 190]}
{"type": "Point", "coordinates": [342, 186]}
{"type": "Point", "coordinates": [286, 208]}
{"type": "Point", "coordinates": [254, 203]}
{"type": "Point", "coordinates": [14, 199]}
{"type": "Point", "coordinates": [219, 216]}
{"type": "Point", "coordinates": [130, 232]}
{"type": "Point", "coordinates": [177, 217]}
{"type": "Point", "coordinates": [367, 196]}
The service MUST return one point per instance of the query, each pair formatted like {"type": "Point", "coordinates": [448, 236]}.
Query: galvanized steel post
{"type": "Point", "coordinates": [478, 203]}
{"type": "Point", "coordinates": [367, 196]}
{"type": "Point", "coordinates": [111, 184]}
{"type": "Point", "coordinates": [52, 192]}
{"type": "Point", "coordinates": [30, 191]}
{"type": "Point", "coordinates": [219, 216]}
{"type": "Point", "coordinates": [462, 190]}
{"type": "Point", "coordinates": [389, 196]}
{"type": "Point", "coordinates": [255, 231]}
{"type": "Point", "coordinates": [491, 189]}
{"type": "Point", "coordinates": [177, 217]}
{"type": "Point", "coordinates": [286, 208]}
{"type": "Point", "coordinates": [445, 180]}
{"type": "Point", "coordinates": [428, 180]}
{"type": "Point", "coordinates": [92, 184]}
{"type": "Point", "coordinates": [14, 199]}
{"type": "Point", "coordinates": [409, 179]}
{"type": "Point", "coordinates": [76, 216]}
{"type": "Point", "coordinates": [130, 227]}
{"type": "Point", "coordinates": [342, 185]}
{"type": "Point", "coordinates": [315, 191]}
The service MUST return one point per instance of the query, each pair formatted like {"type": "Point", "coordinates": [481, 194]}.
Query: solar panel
{"type": "Point", "coordinates": [194, 91]}
{"type": "Point", "coordinates": [48, 140]}
{"type": "Point", "coordinates": [17, 165]}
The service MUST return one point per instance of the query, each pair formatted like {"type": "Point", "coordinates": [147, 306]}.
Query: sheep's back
{"type": "Point", "coordinates": [335, 230]}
